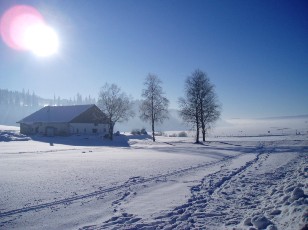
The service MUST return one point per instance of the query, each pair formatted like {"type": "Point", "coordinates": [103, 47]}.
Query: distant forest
{"type": "Point", "coordinates": [15, 105]}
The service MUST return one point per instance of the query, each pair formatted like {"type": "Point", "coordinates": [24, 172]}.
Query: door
{"type": "Point", "coordinates": [50, 131]}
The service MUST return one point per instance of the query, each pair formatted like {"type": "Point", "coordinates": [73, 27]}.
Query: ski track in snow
{"type": "Point", "coordinates": [234, 197]}
{"type": "Point", "coordinates": [187, 215]}
{"type": "Point", "coordinates": [215, 201]}
{"type": "Point", "coordinates": [131, 182]}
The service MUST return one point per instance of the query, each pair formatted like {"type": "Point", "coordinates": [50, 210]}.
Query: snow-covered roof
{"type": "Point", "coordinates": [56, 113]}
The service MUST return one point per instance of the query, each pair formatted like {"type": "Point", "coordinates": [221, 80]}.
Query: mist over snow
{"type": "Point", "coordinates": [262, 126]}
{"type": "Point", "coordinates": [224, 126]}
{"type": "Point", "coordinates": [174, 122]}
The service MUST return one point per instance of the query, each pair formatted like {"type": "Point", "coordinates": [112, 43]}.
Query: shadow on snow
{"type": "Point", "coordinates": [89, 140]}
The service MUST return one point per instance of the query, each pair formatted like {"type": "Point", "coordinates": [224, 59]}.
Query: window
{"type": "Point", "coordinates": [94, 130]}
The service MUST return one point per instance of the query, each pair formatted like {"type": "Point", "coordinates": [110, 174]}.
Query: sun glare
{"type": "Point", "coordinates": [23, 28]}
{"type": "Point", "coordinates": [42, 40]}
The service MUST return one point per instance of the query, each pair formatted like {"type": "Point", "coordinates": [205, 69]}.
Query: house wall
{"type": "Point", "coordinates": [42, 128]}
{"type": "Point", "coordinates": [88, 128]}
{"type": "Point", "coordinates": [26, 129]}
{"type": "Point", "coordinates": [63, 129]}
{"type": "Point", "coordinates": [54, 129]}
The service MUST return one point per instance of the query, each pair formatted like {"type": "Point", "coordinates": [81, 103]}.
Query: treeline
{"type": "Point", "coordinates": [77, 100]}
{"type": "Point", "coordinates": [16, 98]}
{"type": "Point", "coordinates": [27, 99]}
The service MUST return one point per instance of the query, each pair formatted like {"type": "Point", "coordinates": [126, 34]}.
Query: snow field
{"type": "Point", "coordinates": [238, 183]}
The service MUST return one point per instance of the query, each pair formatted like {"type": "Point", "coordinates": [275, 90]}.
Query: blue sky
{"type": "Point", "coordinates": [255, 52]}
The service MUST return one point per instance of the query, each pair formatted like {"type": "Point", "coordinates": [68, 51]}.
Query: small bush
{"type": "Point", "coordinates": [182, 134]}
{"type": "Point", "coordinates": [117, 133]}
{"type": "Point", "coordinates": [173, 135]}
{"type": "Point", "coordinates": [143, 131]}
{"type": "Point", "coordinates": [135, 132]}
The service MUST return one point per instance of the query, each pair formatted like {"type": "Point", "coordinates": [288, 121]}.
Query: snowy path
{"type": "Point", "coordinates": [236, 197]}
{"type": "Point", "coordinates": [133, 181]}
{"type": "Point", "coordinates": [172, 184]}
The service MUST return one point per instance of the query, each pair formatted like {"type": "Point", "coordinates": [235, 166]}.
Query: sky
{"type": "Point", "coordinates": [254, 52]}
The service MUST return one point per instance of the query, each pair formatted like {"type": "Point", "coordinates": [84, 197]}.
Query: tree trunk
{"type": "Point", "coordinates": [197, 136]}
{"type": "Point", "coordinates": [153, 131]}
{"type": "Point", "coordinates": [203, 135]}
{"type": "Point", "coordinates": [202, 120]}
{"type": "Point", "coordinates": [111, 126]}
{"type": "Point", "coordinates": [197, 124]}
{"type": "Point", "coordinates": [203, 130]}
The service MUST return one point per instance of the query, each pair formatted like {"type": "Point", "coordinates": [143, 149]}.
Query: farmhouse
{"type": "Point", "coordinates": [65, 120]}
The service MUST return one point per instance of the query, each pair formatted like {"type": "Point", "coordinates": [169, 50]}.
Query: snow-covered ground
{"type": "Point", "coordinates": [132, 183]}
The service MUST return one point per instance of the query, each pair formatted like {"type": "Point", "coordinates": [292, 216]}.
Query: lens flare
{"type": "Point", "coordinates": [23, 28]}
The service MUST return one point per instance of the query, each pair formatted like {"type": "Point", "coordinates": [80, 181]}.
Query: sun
{"type": "Point", "coordinates": [41, 40]}
{"type": "Point", "coordinates": [24, 28]}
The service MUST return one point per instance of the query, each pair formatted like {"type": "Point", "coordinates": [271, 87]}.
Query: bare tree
{"type": "Point", "coordinates": [154, 107]}
{"type": "Point", "coordinates": [200, 106]}
{"type": "Point", "coordinates": [115, 104]}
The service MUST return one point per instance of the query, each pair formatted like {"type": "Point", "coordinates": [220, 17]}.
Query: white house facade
{"type": "Point", "coordinates": [65, 120]}
{"type": "Point", "coordinates": [88, 128]}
